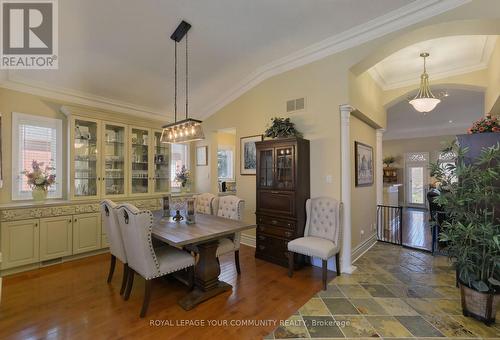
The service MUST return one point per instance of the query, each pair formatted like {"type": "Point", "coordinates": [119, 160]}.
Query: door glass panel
{"type": "Point", "coordinates": [284, 171]}
{"type": "Point", "coordinates": [416, 185]}
{"type": "Point", "coordinates": [114, 160]}
{"type": "Point", "coordinates": [140, 161]}
{"type": "Point", "coordinates": [85, 158]}
{"type": "Point", "coordinates": [162, 164]}
{"type": "Point", "coordinates": [266, 168]}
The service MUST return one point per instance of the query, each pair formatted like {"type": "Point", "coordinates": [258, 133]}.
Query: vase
{"type": "Point", "coordinates": [479, 305]}
{"type": "Point", "coordinates": [39, 194]}
{"type": "Point", "coordinates": [476, 142]}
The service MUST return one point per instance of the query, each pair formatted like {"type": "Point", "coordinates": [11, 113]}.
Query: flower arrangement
{"type": "Point", "coordinates": [183, 176]}
{"type": "Point", "coordinates": [485, 124]}
{"type": "Point", "coordinates": [389, 160]}
{"type": "Point", "coordinates": [282, 128]}
{"type": "Point", "coordinates": [40, 177]}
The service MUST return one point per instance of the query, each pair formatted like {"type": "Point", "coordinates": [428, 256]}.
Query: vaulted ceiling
{"type": "Point", "coordinates": [119, 51]}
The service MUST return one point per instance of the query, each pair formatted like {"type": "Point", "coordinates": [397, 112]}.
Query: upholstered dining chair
{"type": "Point", "coordinates": [321, 234]}
{"type": "Point", "coordinates": [115, 239]}
{"type": "Point", "coordinates": [143, 259]}
{"type": "Point", "coordinates": [231, 207]}
{"type": "Point", "coordinates": [206, 203]}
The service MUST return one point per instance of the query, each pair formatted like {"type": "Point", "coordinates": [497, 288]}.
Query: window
{"type": "Point", "coordinates": [225, 162]}
{"type": "Point", "coordinates": [180, 157]}
{"type": "Point", "coordinates": [39, 139]}
{"type": "Point", "coordinates": [447, 162]}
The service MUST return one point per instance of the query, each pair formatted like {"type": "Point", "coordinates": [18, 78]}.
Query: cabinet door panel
{"type": "Point", "coordinates": [86, 232]}
{"type": "Point", "coordinates": [140, 158]}
{"type": "Point", "coordinates": [56, 237]}
{"type": "Point", "coordinates": [20, 243]}
{"type": "Point", "coordinates": [276, 202]}
{"type": "Point", "coordinates": [114, 155]}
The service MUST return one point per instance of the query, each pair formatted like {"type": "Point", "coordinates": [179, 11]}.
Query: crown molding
{"type": "Point", "coordinates": [67, 95]}
{"type": "Point", "coordinates": [482, 64]}
{"type": "Point", "coordinates": [393, 21]}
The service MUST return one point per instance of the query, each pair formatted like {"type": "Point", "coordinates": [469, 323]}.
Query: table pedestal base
{"type": "Point", "coordinates": [206, 277]}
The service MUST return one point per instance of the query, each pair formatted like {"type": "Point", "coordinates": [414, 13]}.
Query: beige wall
{"type": "Point", "coordinates": [492, 95]}
{"type": "Point", "coordinates": [363, 199]}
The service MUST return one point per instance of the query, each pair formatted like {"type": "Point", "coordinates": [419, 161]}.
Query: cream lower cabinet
{"type": "Point", "coordinates": [20, 243]}
{"type": "Point", "coordinates": [86, 232]}
{"type": "Point", "coordinates": [56, 237]}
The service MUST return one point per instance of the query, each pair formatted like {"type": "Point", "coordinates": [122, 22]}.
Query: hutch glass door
{"type": "Point", "coordinates": [162, 162]}
{"type": "Point", "coordinates": [140, 161]}
{"type": "Point", "coordinates": [114, 160]}
{"type": "Point", "coordinates": [284, 168]}
{"type": "Point", "coordinates": [266, 164]}
{"type": "Point", "coordinates": [85, 158]}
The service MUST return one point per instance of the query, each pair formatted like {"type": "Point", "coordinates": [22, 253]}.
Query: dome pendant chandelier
{"type": "Point", "coordinates": [188, 129]}
{"type": "Point", "coordinates": [424, 101]}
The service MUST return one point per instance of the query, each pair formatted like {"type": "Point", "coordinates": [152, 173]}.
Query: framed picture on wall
{"type": "Point", "coordinates": [202, 155]}
{"type": "Point", "coordinates": [248, 154]}
{"type": "Point", "coordinates": [363, 164]}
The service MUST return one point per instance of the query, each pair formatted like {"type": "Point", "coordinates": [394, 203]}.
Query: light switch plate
{"type": "Point", "coordinates": [328, 178]}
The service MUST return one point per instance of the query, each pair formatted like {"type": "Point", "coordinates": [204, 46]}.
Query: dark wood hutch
{"type": "Point", "coordinates": [283, 186]}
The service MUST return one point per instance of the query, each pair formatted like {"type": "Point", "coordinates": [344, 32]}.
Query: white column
{"type": "Point", "coordinates": [379, 173]}
{"type": "Point", "coordinates": [346, 173]}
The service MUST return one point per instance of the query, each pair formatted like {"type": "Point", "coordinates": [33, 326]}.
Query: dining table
{"type": "Point", "coordinates": [204, 234]}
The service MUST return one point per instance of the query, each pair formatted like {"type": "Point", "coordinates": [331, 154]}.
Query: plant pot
{"type": "Point", "coordinates": [479, 305]}
{"type": "Point", "coordinates": [39, 194]}
{"type": "Point", "coordinates": [476, 142]}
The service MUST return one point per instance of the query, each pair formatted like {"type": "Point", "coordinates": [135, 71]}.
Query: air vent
{"type": "Point", "coordinates": [295, 105]}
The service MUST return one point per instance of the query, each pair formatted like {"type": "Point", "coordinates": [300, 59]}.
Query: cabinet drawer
{"type": "Point", "coordinates": [273, 221]}
{"type": "Point", "coordinates": [271, 246]}
{"type": "Point", "coordinates": [276, 202]}
{"type": "Point", "coordinates": [275, 231]}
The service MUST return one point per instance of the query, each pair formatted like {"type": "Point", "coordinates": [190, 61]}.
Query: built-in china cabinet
{"type": "Point", "coordinates": [115, 160]}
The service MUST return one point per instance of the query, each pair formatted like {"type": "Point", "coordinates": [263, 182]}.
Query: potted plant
{"type": "Point", "coordinates": [282, 128]}
{"type": "Point", "coordinates": [183, 176]}
{"type": "Point", "coordinates": [483, 133]}
{"type": "Point", "coordinates": [40, 179]}
{"type": "Point", "coordinates": [389, 160]}
{"type": "Point", "coordinates": [471, 228]}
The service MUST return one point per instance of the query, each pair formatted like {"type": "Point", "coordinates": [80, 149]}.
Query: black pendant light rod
{"type": "Point", "coordinates": [187, 65]}
{"type": "Point", "coordinates": [175, 82]}
{"type": "Point", "coordinates": [177, 36]}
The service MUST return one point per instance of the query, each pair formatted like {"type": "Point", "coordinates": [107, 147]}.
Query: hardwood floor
{"type": "Point", "coordinates": [73, 300]}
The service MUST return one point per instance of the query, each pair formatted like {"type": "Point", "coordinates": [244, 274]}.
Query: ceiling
{"type": "Point", "coordinates": [449, 56]}
{"type": "Point", "coordinates": [452, 116]}
{"type": "Point", "coordinates": [119, 51]}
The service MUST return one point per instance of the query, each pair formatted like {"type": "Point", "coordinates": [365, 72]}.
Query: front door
{"type": "Point", "coordinates": [417, 164]}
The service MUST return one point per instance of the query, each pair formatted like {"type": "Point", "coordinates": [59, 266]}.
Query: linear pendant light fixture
{"type": "Point", "coordinates": [424, 101]}
{"type": "Point", "coordinates": [188, 129]}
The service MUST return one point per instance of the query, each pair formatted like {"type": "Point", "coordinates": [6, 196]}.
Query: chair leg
{"type": "Point", "coordinates": [337, 263]}
{"type": "Point", "coordinates": [147, 297]}
{"type": "Point", "coordinates": [130, 282]}
{"type": "Point", "coordinates": [290, 264]}
{"type": "Point", "coordinates": [237, 261]}
{"type": "Point", "coordinates": [124, 278]}
{"type": "Point", "coordinates": [325, 271]}
{"type": "Point", "coordinates": [111, 268]}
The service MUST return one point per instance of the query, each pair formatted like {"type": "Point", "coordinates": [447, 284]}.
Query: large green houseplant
{"type": "Point", "coordinates": [470, 196]}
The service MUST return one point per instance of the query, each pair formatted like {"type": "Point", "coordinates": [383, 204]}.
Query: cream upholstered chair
{"type": "Point", "coordinates": [321, 235]}
{"type": "Point", "coordinates": [231, 207]}
{"type": "Point", "coordinates": [143, 259]}
{"type": "Point", "coordinates": [115, 239]}
{"type": "Point", "coordinates": [206, 203]}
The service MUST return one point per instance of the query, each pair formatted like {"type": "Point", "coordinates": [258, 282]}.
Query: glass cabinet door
{"type": "Point", "coordinates": [140, 161]}
{"type": "Point", "coordinates": [114, 160]}
{"type": "Point", "coordinates": [266, 168]}
{"type": "Point", "coordinates": [161, 164]}
{"type": "Point", "coordinates": [284, 167]}
{"type": "Point", "coordinates": [85, 167]}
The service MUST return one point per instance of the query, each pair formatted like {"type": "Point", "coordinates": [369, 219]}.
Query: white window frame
{"type": "Point", "coordinates": [227, 148]}
{"type": "Point", "coordinates": [24, 118]}
{"type": "Point", "coordinates": [188, 163]}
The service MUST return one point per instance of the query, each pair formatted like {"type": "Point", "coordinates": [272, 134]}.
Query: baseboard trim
{"type": "Point", "coordinates": [248, 240]}
{"type": "Point", "coordinates": [364, 247]}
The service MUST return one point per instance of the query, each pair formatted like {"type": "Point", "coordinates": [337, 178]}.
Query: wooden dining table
{"type": "Point", "coordinates": [205, 234]}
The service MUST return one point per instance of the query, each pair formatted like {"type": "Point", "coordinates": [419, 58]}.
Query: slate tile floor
{"type": "Point", "coordinates": [395, 293]}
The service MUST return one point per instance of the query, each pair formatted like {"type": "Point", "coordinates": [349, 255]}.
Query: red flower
{"type": "Point", "coordinates": [495, 129]}
{"type": "Point", "coordinates": [481, 129]}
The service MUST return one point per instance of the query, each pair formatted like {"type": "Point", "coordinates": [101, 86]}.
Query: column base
{"type": "Point", "coordinates": [347, 269]}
